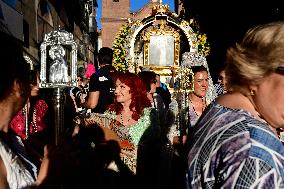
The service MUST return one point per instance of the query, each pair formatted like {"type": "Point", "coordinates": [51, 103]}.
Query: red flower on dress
{"type": "Point", "coordinates": [125, 144]}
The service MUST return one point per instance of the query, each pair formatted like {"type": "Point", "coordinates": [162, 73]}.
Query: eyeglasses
{"type": "Point", "coordinates": [280, 70]}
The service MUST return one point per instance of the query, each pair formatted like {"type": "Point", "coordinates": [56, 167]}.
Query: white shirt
{"type": "Point", "coordinates": [17, 174]}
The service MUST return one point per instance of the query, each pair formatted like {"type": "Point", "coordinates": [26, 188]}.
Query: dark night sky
{"type": "Point", "coordinates": [226, 23]}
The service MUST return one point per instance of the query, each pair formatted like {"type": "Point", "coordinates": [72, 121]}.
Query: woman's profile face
{"type": "Point", "coordinates": [153, 87]}
{"type": "Point", "coordinates": [200, 83]}
{"type": "Point", "coordinates": [269, 99]}
{"type": "Point", "coordinates": [222, 80]}
{"type": "Point", "coordinates": [35, 87]}
{"type": "Point", "coordinates": [20, 95]}
{"type": "Point", "coordinates": [122, 92]}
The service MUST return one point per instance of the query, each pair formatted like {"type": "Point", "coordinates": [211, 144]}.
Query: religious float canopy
{"type": "Point", "coordinates": [157, 42]}
{"type": "Point", "coordinates": [162, 42]}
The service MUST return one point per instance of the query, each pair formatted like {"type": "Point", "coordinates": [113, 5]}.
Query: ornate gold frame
{"type": "Point", "coordinates": [161, 29]}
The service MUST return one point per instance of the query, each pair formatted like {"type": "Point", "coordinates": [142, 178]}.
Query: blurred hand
{"type": "Point", "coordinates": [45, 165]}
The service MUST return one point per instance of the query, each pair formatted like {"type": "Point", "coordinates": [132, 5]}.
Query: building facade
{"type": "Point", "coordinates": [35, 18]}
{"type": "Point", "coordinates": [115, 13]}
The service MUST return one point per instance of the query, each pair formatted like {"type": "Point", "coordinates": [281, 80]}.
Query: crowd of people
{"type": "Point", "coordinates": [127, 130]}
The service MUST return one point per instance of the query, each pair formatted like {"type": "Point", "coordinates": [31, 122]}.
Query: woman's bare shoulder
{"type": "Point", "coordinates": [235, 101]}
{"type": "Point", "coordinates": [3, 176]}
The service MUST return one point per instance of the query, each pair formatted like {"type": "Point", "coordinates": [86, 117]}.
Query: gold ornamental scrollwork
{"type": "Point", "coordinates": [160, 9]}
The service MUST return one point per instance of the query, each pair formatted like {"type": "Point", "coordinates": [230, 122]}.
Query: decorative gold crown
{"type": "Point", "coordinates": [160, 8]}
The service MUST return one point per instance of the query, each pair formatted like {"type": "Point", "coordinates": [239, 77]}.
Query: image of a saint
{"type": "Point", "coordinates": [161, 50]}
{"type": "Point", "coordinates": [58, 72]}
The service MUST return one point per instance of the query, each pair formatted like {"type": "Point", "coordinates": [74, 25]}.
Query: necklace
{"type": "Point", "coordinates": [203, 107]}
{"type": "Point", "coordinates": [34, 125]}
{"type": "Point", "coordinates": [122, 122]}
{"type": "Point", "coordinates": [25, 114]}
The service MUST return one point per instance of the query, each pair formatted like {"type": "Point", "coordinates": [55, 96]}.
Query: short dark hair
{"type": "Point", "coordinates": [105, 55]}
{"type": "Point", "coordinates": [148, 77]}
{"type": "Point", "coordinates": [196, 69]}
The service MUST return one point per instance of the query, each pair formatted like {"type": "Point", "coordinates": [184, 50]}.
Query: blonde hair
{"type": "Point", "coordinates": [258, 55]}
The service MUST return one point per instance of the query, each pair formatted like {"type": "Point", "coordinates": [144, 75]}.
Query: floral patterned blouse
{"type": "Point", "coordinates": [130, 137]}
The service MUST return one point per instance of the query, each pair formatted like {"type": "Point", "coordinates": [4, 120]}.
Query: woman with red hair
{"type": "Point", "coordinates": [135, 123]}
{"type": "Point", "coordinates": [129, 89]}
{"type": "Point", "coordinates": [134, 116]}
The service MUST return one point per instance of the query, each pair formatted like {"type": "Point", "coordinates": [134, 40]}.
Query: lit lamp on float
{"type": "Point", "coordinates": [56, 72]}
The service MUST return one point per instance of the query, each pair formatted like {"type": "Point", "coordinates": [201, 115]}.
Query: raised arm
{"type": "Point", "coordinates": [92, 100]}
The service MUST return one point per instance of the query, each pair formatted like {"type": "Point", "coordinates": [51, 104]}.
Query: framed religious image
{"type": "Point", "coordinates": [161, 47]}
{"type": "Point", "coordinates": [161, 50]}
{"type": "Point", "coordinates": [56, 71]}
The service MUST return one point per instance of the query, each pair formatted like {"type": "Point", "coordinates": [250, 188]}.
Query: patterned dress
{"type": "Point", "coordinates": [180, 117]}
{"type": "Point", "coordinates": [192, 117]}
{"type": "Point", "coordinates": [232, 149]}
{"type": "Point", "coordinates": [147, 128]}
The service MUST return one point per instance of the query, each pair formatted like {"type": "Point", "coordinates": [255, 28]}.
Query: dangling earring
{"type": "Point", "coordinates": [252, 93]}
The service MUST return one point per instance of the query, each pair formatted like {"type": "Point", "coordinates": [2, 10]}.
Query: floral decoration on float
{"type": "Point", "coordinates": [120, 48]}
